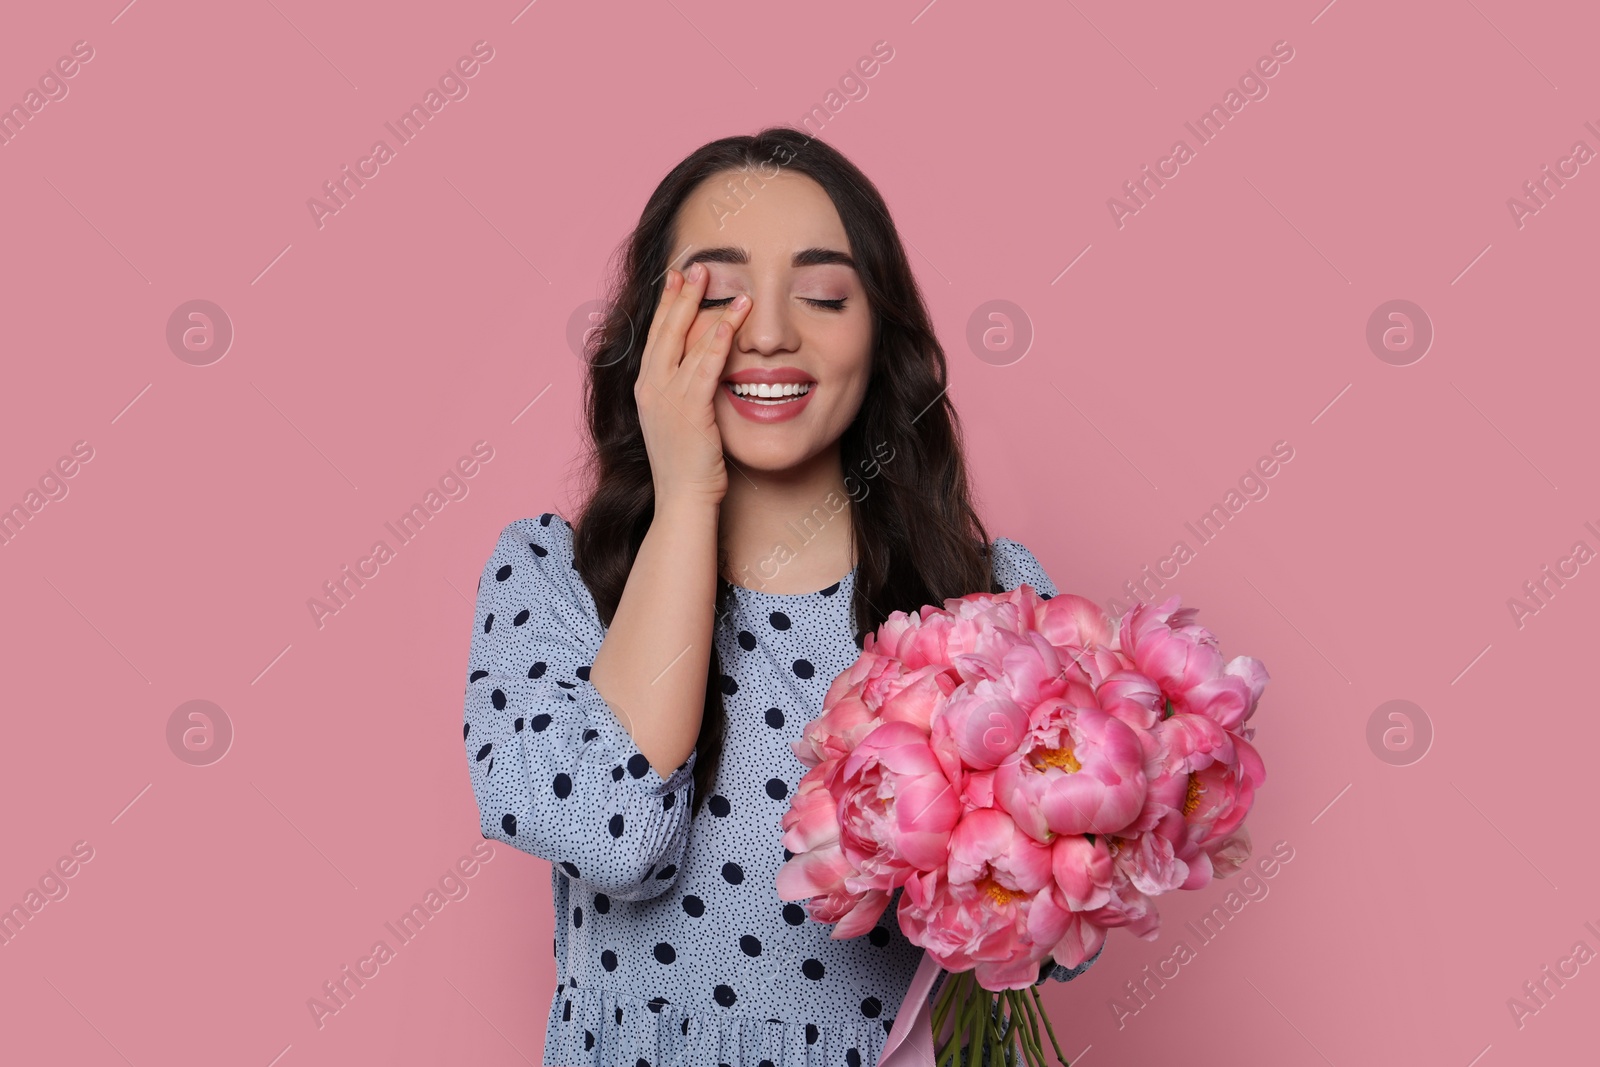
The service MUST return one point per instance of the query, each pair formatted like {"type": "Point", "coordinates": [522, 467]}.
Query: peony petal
{"type": "Point", "coordinates": [862, 918]}
{"type": "Point", "coordinates": [808, 874]}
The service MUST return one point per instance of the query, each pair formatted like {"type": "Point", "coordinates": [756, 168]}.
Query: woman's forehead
{"type": "Point", "coordinates": [770, 218]}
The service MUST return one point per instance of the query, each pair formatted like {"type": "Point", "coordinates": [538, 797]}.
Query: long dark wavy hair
{"type": "Point", "coordinates": [917, 537]}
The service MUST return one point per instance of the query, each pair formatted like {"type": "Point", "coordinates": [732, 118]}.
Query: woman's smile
{"type": "Point", "coordinates": [769, 394]}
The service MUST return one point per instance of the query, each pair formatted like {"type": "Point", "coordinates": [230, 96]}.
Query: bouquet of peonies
{"type": "Point", "coordinates": [1030, 775]}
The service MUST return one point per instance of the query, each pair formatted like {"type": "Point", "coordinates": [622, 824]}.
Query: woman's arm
{"type": "Point", "coordinates": [651, 669]}
{"type": "Point", "coordinates": [554, 773]}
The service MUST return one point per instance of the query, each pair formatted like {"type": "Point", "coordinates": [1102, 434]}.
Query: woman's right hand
{"type": "Point", "coordinates": [676, 387]}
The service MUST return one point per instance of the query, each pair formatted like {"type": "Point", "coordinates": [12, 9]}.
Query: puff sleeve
{"type": "Point", "coordinates": [1052, 969]}
{"type": "Point", "coordinates": [1014, 565]}
{"type": "Point", "coordinates": [554, 771]}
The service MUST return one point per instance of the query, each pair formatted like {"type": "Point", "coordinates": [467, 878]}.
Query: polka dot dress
{"type": "Point", "coordinates": [671, 944]}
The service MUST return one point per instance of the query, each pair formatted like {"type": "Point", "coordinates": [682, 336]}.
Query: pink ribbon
{"type": "Point", "coordinates": [910, 1042]}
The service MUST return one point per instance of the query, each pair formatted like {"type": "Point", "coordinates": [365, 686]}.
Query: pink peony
{"type": "Point", "coordinates": [993, 909]}
{"type": "Point", "coordinates": [1078, 770]}
{"type": "Point", "coordinates": [1184, 660]}
{"type": "Point", "coordinates": [979, 727]}
{"type": "Point", "coordinates": [818, 869]}
{"type": "Point", "coordinates": [897, 808]}
{"type": "Point", "coordinates": [1204, 790]}
{"type": "Point", "coordinates": [859, 826]}
{"type": "Point", "coordinates": [1128, 906]}
{"type": "Point", "coordinates": [873, 690]}
{"type": "Point", "coordinates": [1028, 774]}
{"type": "Point", "coordinates": [1163, 643]}
{"type": "Point", "coordinates": [1069, 621]}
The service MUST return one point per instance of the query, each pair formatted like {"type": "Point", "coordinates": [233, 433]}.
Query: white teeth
{"type": "Point", "coordinates": [778, 394]}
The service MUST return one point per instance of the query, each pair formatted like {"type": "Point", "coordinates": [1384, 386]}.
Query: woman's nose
{"type": "Point", "coordinates": [769, 326]}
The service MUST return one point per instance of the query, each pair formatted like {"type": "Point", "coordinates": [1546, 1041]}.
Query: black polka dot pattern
{"type": "Point", "coordinates": [675, 947]}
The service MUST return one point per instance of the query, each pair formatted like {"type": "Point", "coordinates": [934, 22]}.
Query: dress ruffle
{"type": "Point", "coordinates": [594, 1025]}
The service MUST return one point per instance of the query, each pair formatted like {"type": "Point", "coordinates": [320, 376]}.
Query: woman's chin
{"type": "Point", "coordinates": [766, 457]}
{"type": "Point", "coordinates": [769, 466]}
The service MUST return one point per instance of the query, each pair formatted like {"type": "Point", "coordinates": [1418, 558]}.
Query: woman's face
{"type": "Point", "coordinates": [807, 339]}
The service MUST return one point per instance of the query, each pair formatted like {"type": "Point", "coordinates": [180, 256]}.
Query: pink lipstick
{"type": "Point", "coordinates": [769, 394]}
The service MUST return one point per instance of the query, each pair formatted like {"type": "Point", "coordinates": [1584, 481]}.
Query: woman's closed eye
{"type": "Point", "coordinates": [724, 301]}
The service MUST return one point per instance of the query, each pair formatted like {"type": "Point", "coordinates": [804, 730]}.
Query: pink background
{"type": "Point", "coordinates": [1228, 314]}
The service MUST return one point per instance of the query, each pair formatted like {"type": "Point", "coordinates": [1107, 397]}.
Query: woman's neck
{"type": "Point", "coordinates": [787, 531]}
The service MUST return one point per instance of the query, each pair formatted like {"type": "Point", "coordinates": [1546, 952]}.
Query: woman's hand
{"type": "Point", "coordinates": [651, 667]}
{"type": "Point", "coordinates": [675, 390]}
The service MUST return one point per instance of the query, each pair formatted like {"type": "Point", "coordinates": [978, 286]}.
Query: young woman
{"type": "Point", "coordinates": [775, 466]}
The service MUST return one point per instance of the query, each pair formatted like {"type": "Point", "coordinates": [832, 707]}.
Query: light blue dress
{"type": "Point", "coordinates": [671, 944]}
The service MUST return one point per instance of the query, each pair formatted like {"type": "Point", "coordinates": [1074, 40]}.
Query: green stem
{"type": "Point", "coordinates": [991, 1028]}
{"type": "Point", "coordinates": [977, 1007]}
{"type": "Point", "coordinates": [1016, 1031]}
{"type": "Point", "coordinates": [962, 1024]}
{"type": "Point", "coordinates": [1029, 1029]}
{"type": "Point", "coordinates": [958, 1004]}
{"type": "Point", "coordinates": [1039, 1004]}
{"type": "Point", "coordinates": [1008, 1029]}
{"type": "Point", "coordinates": [941, 1005]}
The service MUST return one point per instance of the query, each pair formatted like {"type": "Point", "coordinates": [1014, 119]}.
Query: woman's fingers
{"type": "Point", "coordinates": [682, 315]}
{"type": "Point", "coordinates": [702, 366]}
{"type": "Point", "coordinates": [665, 353]}
{"type": "Point", "coordinates": [669, 294]}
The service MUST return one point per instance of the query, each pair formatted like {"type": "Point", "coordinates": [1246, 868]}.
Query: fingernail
{"type": "Point", "coordinates": [740, 302]}
{"type": "Point", "coordinates": [695, 270]}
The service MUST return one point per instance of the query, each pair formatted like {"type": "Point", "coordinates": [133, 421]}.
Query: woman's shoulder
{"type": "Point", "coordinates": [1015, 565]}
{"type": "Point", "coordinates": [549, 530]}
{"type": "Point", "coordinates": [536, 554]}
{"type": "Point", "coordinates": [543, 537]}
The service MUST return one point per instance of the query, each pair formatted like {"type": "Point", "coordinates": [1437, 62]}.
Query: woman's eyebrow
{"type": "Point", "coordinates": [808, 257]}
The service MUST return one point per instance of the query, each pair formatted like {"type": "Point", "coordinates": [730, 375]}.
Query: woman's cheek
{"type": "Point", "coordinates": [697, 329]}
